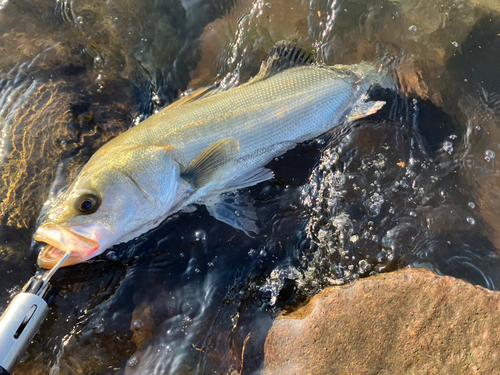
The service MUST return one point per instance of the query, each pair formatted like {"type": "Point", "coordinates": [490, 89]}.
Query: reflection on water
{"type": "Point", "coordinates": [416, 184]}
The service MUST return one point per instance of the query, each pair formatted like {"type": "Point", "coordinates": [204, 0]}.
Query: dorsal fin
{"type": "Point", "coordinates": [492, 101]}
{"type": "Point", "coordinates": [284, 55]}
{"type": "Point", "coordinates": [203, 92]}
{"type": "Point", "coordinates": [200, 93]}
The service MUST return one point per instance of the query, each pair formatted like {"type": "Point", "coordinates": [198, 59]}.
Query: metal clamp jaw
{"type": "Point", "coordinates": [21, 321]}
{"type": "Point", "coordinates": [24, 315]}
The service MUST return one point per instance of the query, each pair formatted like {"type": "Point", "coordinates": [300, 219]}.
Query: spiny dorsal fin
{"type": "Point", "coordinates": [284, 55]}
{"type": "Point", "coordinates": [492, 101]}
{"type": "Point", "coordinates": [212, 162]}
{"type": "Point", "coordinates": [202, 92]}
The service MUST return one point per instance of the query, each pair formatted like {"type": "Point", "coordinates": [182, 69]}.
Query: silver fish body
{"type": "Point", "coordinates": [199, 148]}
{"type": "Point", "coordinates": [267, 117]}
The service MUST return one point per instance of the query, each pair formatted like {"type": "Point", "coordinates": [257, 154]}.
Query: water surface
{"type": "Point", "coordinates": [415, 185]}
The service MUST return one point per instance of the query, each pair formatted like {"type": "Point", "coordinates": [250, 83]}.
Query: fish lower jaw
{"type": "Point", "coordinates": [51, 255]}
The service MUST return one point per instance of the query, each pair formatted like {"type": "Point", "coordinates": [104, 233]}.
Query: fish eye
{"type": "Point", "coordinates": [87, 203]}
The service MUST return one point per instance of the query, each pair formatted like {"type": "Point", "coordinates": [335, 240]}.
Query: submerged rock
{"type": "Point", "coordinates": [406, 322]}
{"type": "Point", "coordinates": [421, 39]}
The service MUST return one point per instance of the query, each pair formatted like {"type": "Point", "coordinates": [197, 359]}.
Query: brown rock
{"type": "Point", "coordinates": [425, 36]}
{"type": "Point", "coordinates": [406, 322]}
{"type": "Point", "coordinates": [248, 26]}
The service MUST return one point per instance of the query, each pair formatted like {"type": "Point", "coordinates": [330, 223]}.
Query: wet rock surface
{"type": "Point", "coordinates": [407, 322]}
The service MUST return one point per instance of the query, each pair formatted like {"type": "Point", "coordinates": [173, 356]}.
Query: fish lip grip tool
{"type": "Point", "coordinates": [22, 318]}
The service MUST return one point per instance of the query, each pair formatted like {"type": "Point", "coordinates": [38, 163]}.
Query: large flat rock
{"type": "Point", "coordinates": [406, 322]}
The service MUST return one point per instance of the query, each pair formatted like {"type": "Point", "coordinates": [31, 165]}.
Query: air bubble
{"type": "Point", "coordinates": [448, 147]}
{"type": "Point", "coordinates": [200, 235]}
{"type": "Point", "coordinates": [455, 44]}
{"type": "Point", "coordinates": [364, 266]}
{"type": "Point", "coordinates": [412, 28]}
{"type": "Point", "coordinates": [472, 205]}
{"type": "Point", "coordinates": [112, 256]}
{"type": "Point", "coordinates": [234, 319]}
{"type": "Point", "coordinates": [338, 179]}
{"type": "Point", "coordinates": [490, 155]}
{"type": "Point", "coordinates": [471, 220]}
{"type": "Point", "coordinates": [133, 361]}
{"type": "Point", "coordinates": [374, 204]}
{"type": "Point", "coordinates": [137, 324]}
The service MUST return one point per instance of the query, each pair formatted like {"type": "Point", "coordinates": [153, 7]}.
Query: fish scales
{"type": "Point", "coordinates": [294, 106]}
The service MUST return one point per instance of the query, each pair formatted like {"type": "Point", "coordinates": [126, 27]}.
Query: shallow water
{"type": "Point", "coordinates": [415, 185]}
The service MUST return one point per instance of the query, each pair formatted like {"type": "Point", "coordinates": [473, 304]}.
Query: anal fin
{"type": "Point", "coordinates": [255, 177]}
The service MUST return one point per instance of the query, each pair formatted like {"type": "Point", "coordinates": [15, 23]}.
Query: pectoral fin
{"type": "Point", "coordinates": [212, 162]}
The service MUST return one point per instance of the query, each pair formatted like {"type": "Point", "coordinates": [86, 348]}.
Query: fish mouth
{"type": "Point", "coordinates": [61, 240]}
{"type": "Point", "coordinates": [51, 255]}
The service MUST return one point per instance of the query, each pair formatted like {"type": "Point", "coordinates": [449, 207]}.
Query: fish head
{"type": "Point", "coordinates": [118, 195]}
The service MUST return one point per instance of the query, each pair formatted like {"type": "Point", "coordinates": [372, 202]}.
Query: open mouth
{"type": "Point", "coordinates": [61, 240]}
{"type": "Point", "coordinates": [51, 255]}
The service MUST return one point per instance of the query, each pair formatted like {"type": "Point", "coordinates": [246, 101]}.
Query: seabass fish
{"type": "Point", "coordinates": [200, 146]}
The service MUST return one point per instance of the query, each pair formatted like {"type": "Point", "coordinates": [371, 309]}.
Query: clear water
{"type": "Point", "coordinates": [415, 185]}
